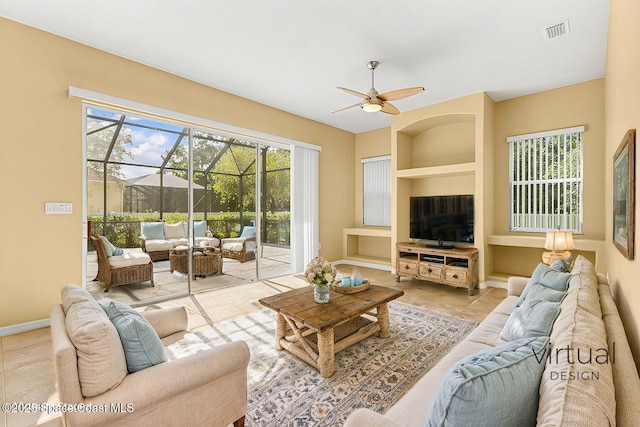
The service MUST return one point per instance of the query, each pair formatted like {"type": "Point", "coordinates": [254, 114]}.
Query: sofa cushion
{"type": "Point", "coordinates": [248, 232]}
{"type": "Point", "coordinates": [495, 387]}
{"type": "Point", "coordinates": [174, 231]}
{"type": "Point", "coordinates": [540, 291]}
{"type": "Point", "coordinates": [141, 344]}
{"type": "Point", "coordinates": [153, 230]}
{"type": "Point", "coordinates": [561, 264]}
{"type": "Point", "coordinates": [129, 259]}
{"type": "Point", "coordinates": [157, 245]}
{"type": "Point", "coordinates": [232, 246]}
{"type": "Point", "coordinates": [101, 361]}
{"type": "Point", "coordinates": [200, 229]}
{"type": "Point", "coordinates": [534, 318]}
{"type": "Point", "coordinates": [72, 294]}
{"type": "Point", "coordinates": [108, 247]}
{"type": "Point", "coordinates": [547, 276]}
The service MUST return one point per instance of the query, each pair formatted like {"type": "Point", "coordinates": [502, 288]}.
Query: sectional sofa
{"type": "Point", "coordinates": [581, 374]}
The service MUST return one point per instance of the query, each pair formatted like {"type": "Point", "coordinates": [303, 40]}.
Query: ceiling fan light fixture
{"type": "Point", "coordinates": [371, 107]}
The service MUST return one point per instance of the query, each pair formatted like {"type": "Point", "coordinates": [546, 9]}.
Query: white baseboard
{"type": "Point", "coordinates": [24, 327]}
{"type": "Point", "coordinates": [363, 264]}
{"type": "Point", "coordinates": [495, 284]}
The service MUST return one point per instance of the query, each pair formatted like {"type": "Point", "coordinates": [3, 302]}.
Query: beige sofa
{"type": "Point", "coordinates": [588, 319]}
{"type": "Point", "coordinates": [198, 385]}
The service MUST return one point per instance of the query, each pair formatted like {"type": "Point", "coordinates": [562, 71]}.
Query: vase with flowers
{"type": "Point", "coordinates": [321, 274]}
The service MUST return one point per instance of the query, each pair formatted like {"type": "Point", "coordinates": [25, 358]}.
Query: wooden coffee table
{"type": "Point", "coordinates": [316, 332]}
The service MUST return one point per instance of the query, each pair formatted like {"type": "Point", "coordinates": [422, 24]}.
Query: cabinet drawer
{"type": "Point", "coordinates": [431, 272]}
{"type": "Point", "coordinates": [456, 276]}
{"type": "Point", "coordinates": [408, 268]}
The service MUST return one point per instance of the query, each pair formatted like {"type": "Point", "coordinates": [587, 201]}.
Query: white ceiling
{"type": "Point", "coordinates": [292, 54]}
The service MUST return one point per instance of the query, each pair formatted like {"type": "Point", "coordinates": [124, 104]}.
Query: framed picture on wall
{"type": "Point", "coordinates": [624, 182]}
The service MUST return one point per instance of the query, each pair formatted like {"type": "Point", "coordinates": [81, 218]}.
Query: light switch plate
{"type": "Point", "coordinates": [58, 208]}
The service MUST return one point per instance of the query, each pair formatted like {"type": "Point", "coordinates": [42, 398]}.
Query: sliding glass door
{"type": "Point", "coordinates": [208, 210]}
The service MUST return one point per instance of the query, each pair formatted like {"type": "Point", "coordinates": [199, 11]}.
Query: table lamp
{"type": "Point", "coordinates": [558, 242]}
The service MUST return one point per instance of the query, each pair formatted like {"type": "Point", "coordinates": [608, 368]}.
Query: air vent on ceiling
{"type": "Point", "coordinates": [555, 31]}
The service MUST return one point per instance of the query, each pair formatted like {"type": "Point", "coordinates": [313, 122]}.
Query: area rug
{"type": "Point", "coordinates": [375, 373]}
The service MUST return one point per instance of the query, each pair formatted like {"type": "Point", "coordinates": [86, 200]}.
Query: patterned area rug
{"type": "Point", "coordinates": [375, 373]}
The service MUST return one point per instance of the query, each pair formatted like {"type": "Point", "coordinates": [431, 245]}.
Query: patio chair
{"type": "Point", "coordinates": [123, 269]}
{"type": "Point", "coordinates": [242, 248]}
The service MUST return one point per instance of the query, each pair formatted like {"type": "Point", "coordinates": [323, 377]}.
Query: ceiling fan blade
{"type": "Point", "coordinates": [389, 109]}
{"type": "Point", "coordinates": [353, 92]}
{"type": "Point", "coordinates": [400, 93]}
{"type": "Point", "coordinates": [346, 108]}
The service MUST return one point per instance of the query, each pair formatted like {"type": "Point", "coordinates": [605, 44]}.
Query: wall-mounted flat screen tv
{"type": "Point", "coordinates": [442, 219]}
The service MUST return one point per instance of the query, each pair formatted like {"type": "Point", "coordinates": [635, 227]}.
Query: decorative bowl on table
{"type": "Point", "coordinates": [337, 286]}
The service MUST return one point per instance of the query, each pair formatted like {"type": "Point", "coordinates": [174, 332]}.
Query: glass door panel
{"type": "Point", "coordinates": [274, 248]}
{"type": "Point", "coordinates": [136, 199]}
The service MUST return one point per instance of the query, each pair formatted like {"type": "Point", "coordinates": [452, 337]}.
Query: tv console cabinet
{"type": "Point", "coordinates": [454, 267]}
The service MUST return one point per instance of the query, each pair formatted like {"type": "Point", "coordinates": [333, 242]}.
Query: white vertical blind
{"type": "Point", "coordinates": [546, 180]}
{"type": "Point", "coordinates": [304, 203]}
{"type": "Point", "coordinates": [376, 179]}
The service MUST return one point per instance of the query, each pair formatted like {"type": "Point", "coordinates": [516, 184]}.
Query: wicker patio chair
{"type": "Point", "coordinates": [112, 276]}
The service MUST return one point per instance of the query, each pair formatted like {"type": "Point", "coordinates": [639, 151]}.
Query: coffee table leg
{"type": "Point", "coordinates": [382, 313]}
{"type": "Point", "coordinates": [326, 356]}
{"type": "Point", "coordinates": [281, 330]}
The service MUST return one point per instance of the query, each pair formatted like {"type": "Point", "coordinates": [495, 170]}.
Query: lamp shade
{"type": "Point", "coordinates": [559, 240]}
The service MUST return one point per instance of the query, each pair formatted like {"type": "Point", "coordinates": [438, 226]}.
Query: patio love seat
{"type": "Point", "coordinates": [158, 237]}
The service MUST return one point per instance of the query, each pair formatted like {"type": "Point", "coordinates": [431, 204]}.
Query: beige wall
{"type": "Point", "coordinates": [41, 153]}
{"type": "Point", "coordinates": [580, 104]}
{"type": "Point", "coordinates": [375, 143]}
{"type": "Point", "coordinates": [575, 105]}
{"type": "Point", "coordinates": [622, 112]}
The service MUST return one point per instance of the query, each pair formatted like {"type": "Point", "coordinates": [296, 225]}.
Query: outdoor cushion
{"type": "Point", "coordinates": [210, 241]}
{"type": "Point", "coordinates": [157, 245]}
{"type": "Point", "coordinates": [248, 232]}
{"type": "Point", "coordinates": [495, 387]}
{"type": "Point", "coordinates": [232, 246]}
{"type": "Point", "coordinates": [200, 229]}
{"type": "Point", "coordinates": [129, 259]}
{"type": "Point", "coordinates": [534, 318]}
{"type": "Point", "coordinates": [153, 230]}
{"type": "Point", "coordinates": [141, 344]}
{"type": "Point", "coordinates": [174, 231]}
{"type": "Point", "coordinates": [107, 246]}
{"type": "Point", "coordinates": [101, 362]}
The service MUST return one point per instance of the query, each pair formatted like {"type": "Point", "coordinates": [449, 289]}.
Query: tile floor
{"type": "Point", "coordinates": [26, 361]}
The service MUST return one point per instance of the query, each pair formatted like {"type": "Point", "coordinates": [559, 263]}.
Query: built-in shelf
{"type": "Point", "coordinates": [352, 251]}
{"type": "Point", "coordinates": [528, 247]}
{"type": "Point", "coordinates": [438, 171]}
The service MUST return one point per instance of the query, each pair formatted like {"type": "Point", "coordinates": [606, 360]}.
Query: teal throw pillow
{"type": "Point", "coordinates": [108, 247]}
{"type": "Point", "coordinates": [200, 229]}
{"type": "Point", "coordinates": [539, 291]}
{"type": "Point", "coordinates": [153, 230]}
{"type": "Point", "coordinates": [534, 318]}
{"type": "Point", "coordinates": [141, 344]}
{"type": "Point", "coordinates": [495, 387]}
{"type": "Point", "coordinates": [547, 276]}
{"type": "Point", "coordinates": [248, 232]}
{"type": "Point", "coordinates": [561, 264]}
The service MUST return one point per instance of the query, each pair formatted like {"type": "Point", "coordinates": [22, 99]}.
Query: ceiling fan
{"type": "Point", "coordinates": [373, 101]}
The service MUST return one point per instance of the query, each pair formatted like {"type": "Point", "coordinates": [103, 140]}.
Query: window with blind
{"type": "Point", "coordinates": [545, 172]}
{"type": "Point", "coordinates": [376, 179]}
